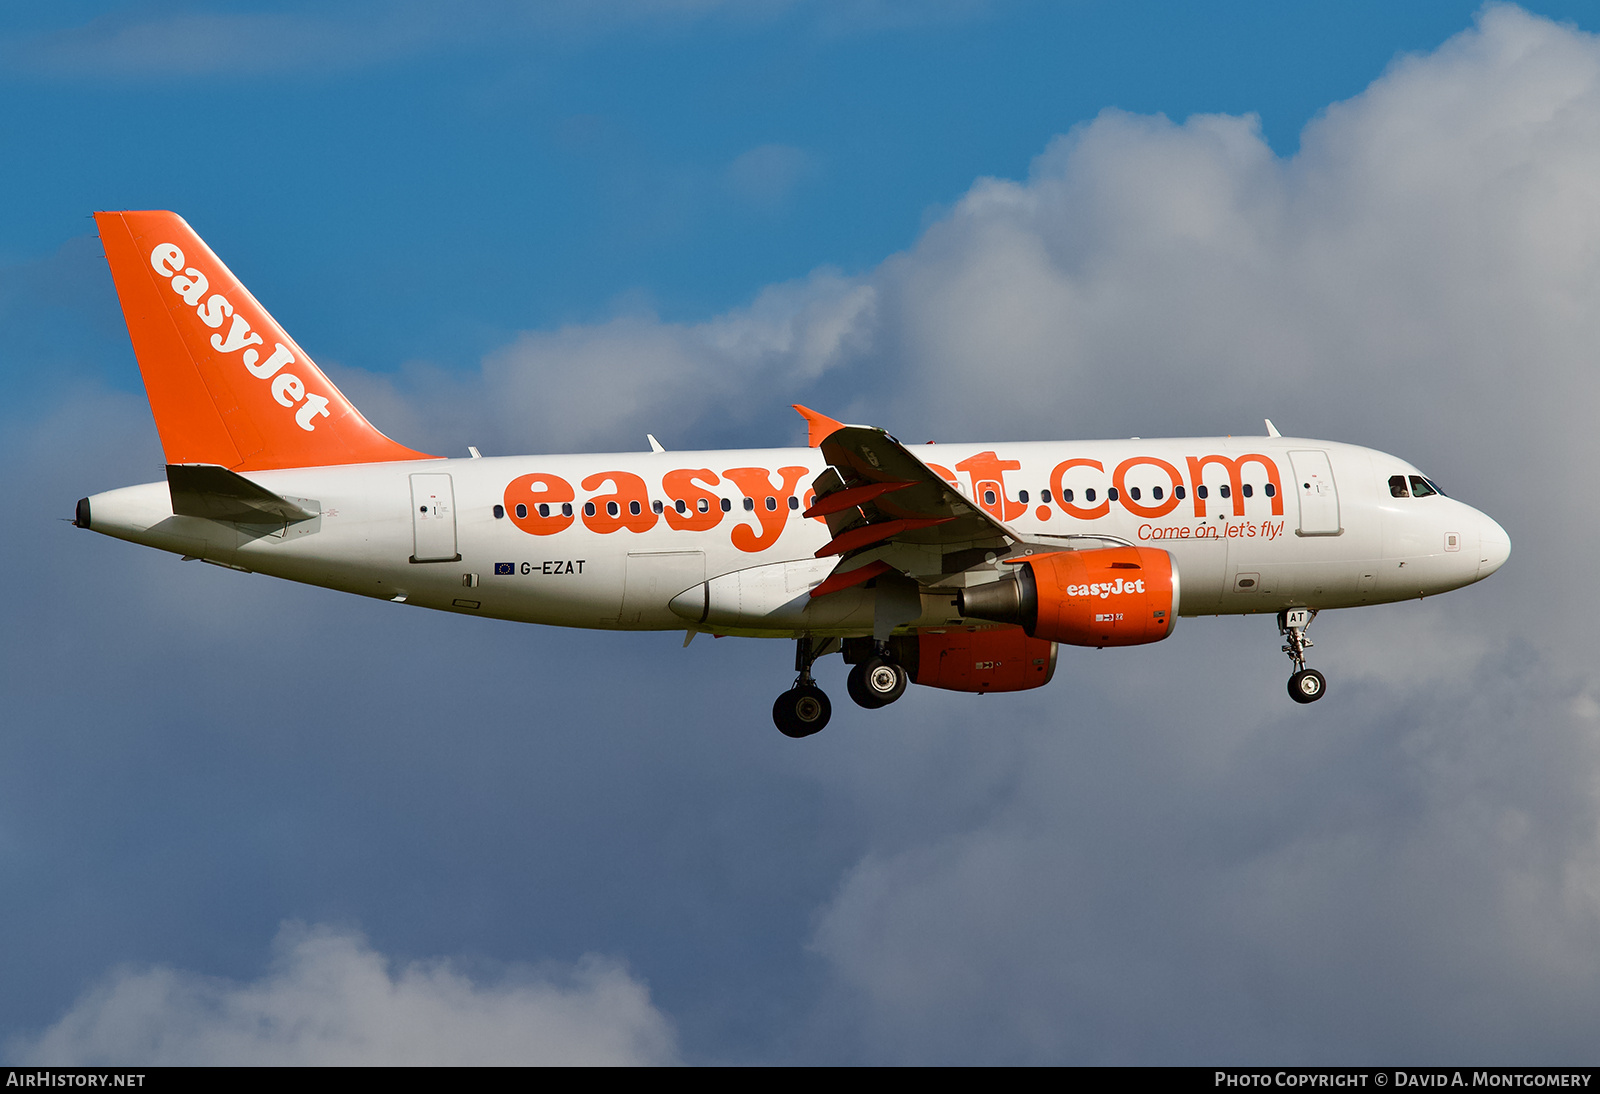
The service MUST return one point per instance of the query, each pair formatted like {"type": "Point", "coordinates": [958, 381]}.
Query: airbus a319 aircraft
{"type": "Point", "coordinates": [956, 566]}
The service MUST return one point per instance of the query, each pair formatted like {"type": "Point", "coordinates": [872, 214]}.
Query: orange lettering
{"type": "Point", "coordinates": [628, 508]}
{"type": "Point", "coordinates": [526, 493]}
{"type": "Point", "coordinates": [1061, 499]}
{"type": "Point", "coordinates": [1197, 467]}
{"type": "Point", "coordinates": [988, 474]}
{"type": "Point", "coordinates": [756, 484]}
{"type": "Point", "coordinates": [683, 486]}
{"type": "Point", "coordinates": [1134, 507]}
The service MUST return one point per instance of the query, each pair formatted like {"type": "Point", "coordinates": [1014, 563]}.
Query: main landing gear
{"type": "Point", "coordinates": [876, 679]}
{"type": "Point", "coordinates": [876, 682]}
{"type": "Point", "coordinates": [1306, 685]}
{"type": "Point", "coordinates": [803, 709]}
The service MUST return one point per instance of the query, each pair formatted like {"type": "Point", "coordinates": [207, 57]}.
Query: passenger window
{"type": "Point", "coordinates": [588, 508]}
{"type": "Point", "coordinates": [727, 506]}
{"type": "Point", "coordinates": [988, 497]}
{"type": "Point", "coordinates": [794, 502]}
{"type": "Point", "coordinates": [749, 505]}
{"type": "Point", "coordinates": [1397, 486]}
{"type": "Point", "coordinates": [1133, 492]}
{"type": "Point", "coordinates": [499, 512]}
{"type": "Point", "coordinates": [1178, 492]}
{"type": "Point", "coordinates": [1044, 496]}
{"type": "Point", "coordinates": [1272, 491]}
{"type": "Point", "coordinates": [1249, 491]}
{"type": "Point", "coordinates": [1420, 488]}
{"type": "Point", "coordinates": [612, 509]}
{"type": "Point", "coordinates": [656, 506]}
{"type": "Point", "coordinates": [566, 508]}
{"type": "Point", "coordinates": [1088, 495]}
{"type": "Point", "coordinates": [1201, 492]}
{"type": "Point", "coordinates": [1066, 497]}
{"type": "Point", "coordinates": [633, 508]}
{"type": "Point", "coordinates": [683, 508]}
{"type": "Point", "coordinates": [1225, 490]}
{"type": "Point", "coordinates": [1155, 492]}
{"type": "Point", "coordinates": [522, 511]}
{"type": "Point", "coordinates": [1022, 496]}
{"type": "Point", "coordinates": [544, 509]}
{"type": "Point", "coordinates": [1112, 493]}
{"type": "Point", "coordinates": [703, 506]}
{"type": "Point", "coordinates": [772, 504]}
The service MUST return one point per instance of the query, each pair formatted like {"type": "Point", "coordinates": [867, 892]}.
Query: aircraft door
{"type": "Point", "coordinates": [433, 519]}
{"type": "Point", "coordinates": [652, 579]}
{"type": "Point", "coordinates": [1319, 498]}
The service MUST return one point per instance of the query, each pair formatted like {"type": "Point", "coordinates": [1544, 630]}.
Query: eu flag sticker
{"type": "Point", "coordinates": [502, 569]}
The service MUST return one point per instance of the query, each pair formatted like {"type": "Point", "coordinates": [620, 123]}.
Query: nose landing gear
{"type": "Point", "coordinates": [803, 709]}
{"type": "Point", "coordinates": [1306, 685]}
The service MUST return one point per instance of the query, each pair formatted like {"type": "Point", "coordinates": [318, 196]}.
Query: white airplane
{"type": "Point", "coordinates": [959, 566]}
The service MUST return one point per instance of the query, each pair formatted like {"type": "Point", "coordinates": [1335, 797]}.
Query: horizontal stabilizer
{"type": "Point", "coordinates": [215, 493]}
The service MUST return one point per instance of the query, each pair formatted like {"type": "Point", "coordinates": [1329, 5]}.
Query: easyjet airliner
{"type": "Point", "coordinates": [959, 566]}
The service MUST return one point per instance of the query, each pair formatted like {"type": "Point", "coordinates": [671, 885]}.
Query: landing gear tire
{"type": "Point", "coordinates": [876, 683]}
{"type": "Point", "coordinates": [801, 711]}
{"type": "Point", "coordinates": [1307, 686]}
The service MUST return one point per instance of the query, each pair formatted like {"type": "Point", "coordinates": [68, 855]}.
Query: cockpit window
{"type": "Point", "coordinates": [1397, 486]}
{"type": "Point", "coordinates": [1421, 487]}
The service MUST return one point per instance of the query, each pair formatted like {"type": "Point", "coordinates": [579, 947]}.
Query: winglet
{"type": "Point", "coordinates": [819, 427]}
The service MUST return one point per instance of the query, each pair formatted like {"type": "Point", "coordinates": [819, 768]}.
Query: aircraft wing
{"type": "Point", "coordinates": [888, 510]}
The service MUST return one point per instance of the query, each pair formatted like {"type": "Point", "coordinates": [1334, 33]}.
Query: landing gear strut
{"type": "Point", "coordinates": [803, 709]}
{"type": "Point", "coordinates": [1306, 685]}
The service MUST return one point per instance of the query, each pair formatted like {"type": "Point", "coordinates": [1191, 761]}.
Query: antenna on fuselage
{"type": "Point", "coordinates": [1272, 430]}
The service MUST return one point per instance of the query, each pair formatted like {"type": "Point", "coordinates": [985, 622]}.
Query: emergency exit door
{"type": "Point", "coordinates": [1319, 498]}
{"type": "Point", "coordinates": [433, 519]}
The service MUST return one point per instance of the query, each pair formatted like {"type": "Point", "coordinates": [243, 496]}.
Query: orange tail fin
{"type": "Point", "coordinates": [225, 382]}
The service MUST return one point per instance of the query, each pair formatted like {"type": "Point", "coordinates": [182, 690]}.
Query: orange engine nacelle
{"type": "Point", "coordinates": [1001, 659]}
{"type": "Point", "coordinates": [1113, 596]}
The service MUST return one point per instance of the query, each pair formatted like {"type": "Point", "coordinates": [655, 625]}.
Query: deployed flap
{"type": "Point", "coordinates": [916, 506]}
{"type": "Point", "coordinates": [206, 490]}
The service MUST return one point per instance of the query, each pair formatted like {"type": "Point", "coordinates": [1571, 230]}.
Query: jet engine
{"type": "Point", "coordinates": [1112, 596]}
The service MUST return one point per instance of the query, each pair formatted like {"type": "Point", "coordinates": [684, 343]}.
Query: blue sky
{"type": "Point", "coordinates": [538, 229]}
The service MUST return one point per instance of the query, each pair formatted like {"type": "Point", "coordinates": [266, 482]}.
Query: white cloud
{"type": "Point", "coordinates": [226, 44]}
{"type": "Point", "coordinates": [330, 999]}
{"type": "Point", "coordinates": [766, 175]}
{"type": "Point", "coordinates": [302, 38]}
{"type": "Point", "coordinates": [604, 386]}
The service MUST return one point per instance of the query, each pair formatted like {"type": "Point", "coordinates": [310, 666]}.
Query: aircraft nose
{"type": "Point", "coordinates": [1494, 548]}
